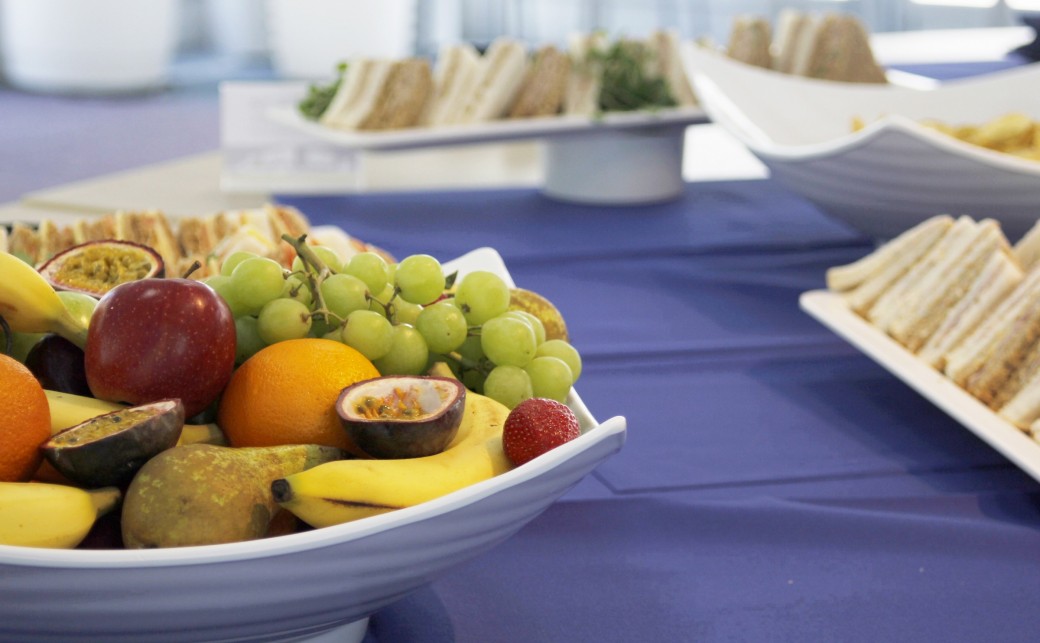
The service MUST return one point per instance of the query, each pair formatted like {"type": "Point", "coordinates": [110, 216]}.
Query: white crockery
{"type": "Point", "coordinates": [300, 585]}
{"type": "Point", "coordinates": [893, 173]}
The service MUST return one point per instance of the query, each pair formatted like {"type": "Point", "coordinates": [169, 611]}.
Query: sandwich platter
{"type": "Point", "coordinates": [833, 311]}
{"type": "Point", "coordinates": [489, 131]}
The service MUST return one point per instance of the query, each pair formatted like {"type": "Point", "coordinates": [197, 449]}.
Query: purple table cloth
{"type": "Point", "coordinates": [775, 485]}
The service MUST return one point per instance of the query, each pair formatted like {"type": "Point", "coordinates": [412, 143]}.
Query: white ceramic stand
{"type": "Point", "coordinates": [616, 167]}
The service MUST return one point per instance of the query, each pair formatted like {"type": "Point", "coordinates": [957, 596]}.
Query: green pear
{"type": "Point", "coordinates": [202, 494]}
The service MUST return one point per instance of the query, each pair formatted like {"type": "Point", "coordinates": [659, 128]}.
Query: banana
{"type": "Point", "coordinates": [346, 490]}
{"type": "Point", "coordinates": [39, 514]}
{"type": "Point", "coordinates": [30, 305]}
{"type": "Point", "coordinates": [68, 410]}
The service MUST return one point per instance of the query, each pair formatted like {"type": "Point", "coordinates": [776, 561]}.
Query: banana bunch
{"type": "Point", "coordinates": [30, 305]}
{"type": "Point", "coordinates": [38, 514]}
{"type": "Point", "coordinates": [69, 410]}
{"type": "Point", "coordinates": [346, 490]}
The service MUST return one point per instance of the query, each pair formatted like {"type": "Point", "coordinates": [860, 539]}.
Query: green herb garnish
{"type": "Point", "coordinates": [628, 82]}
{"type": "Point", "coordinates": [319, 96]}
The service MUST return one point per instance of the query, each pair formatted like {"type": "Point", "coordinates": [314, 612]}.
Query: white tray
{"type": "Point", "coordinates": [832, 311]}
{"type": "Point", "coordinates": [492, 131]}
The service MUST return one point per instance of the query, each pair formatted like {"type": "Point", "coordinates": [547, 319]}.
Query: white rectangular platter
{"type": "Point", "coordinates": [831, 310]}
{"type": "Point", "coordinates": [491, 131]}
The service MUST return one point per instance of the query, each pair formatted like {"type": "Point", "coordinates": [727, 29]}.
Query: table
{"type": "Point", "coordinates": [775, 486]}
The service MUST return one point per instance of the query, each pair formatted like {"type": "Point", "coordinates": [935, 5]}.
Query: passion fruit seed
{"type": "Point", "coordinates": [107, 450]}
{"type": "Point", "coordinates": [95, 267]}
{"type": "Point", "coordinates": [402, 416]}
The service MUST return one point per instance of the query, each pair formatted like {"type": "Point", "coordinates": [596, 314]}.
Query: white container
{"type": "Point", "coordinates": [309, 37]}
{"type": "Point", "coordinates": [620, 167]}
{"type": "Point", "coordinates": [101, 46]}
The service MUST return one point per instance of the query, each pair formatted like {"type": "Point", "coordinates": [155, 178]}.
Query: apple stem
{"type": "Point", "coordinates": [195, 265]}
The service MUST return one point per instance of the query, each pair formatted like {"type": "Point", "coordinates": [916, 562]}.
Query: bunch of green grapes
{"type": "Point", "coordinates": [404, 317]}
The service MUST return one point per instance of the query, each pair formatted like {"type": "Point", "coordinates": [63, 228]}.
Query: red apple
{"type": "Point", "coordinates": [158, 338]}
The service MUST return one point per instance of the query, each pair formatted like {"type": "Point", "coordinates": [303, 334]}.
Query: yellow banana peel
{"type": "Point", "coordinates": [346, 490]}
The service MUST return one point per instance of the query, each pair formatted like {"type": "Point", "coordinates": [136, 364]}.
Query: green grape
{"type": "Point", "coordinates": [247, 338]}
{"type": "Point", "coordinates": [420, 279]}
{"type": "Point", "coordinates": [232, 260]}
{"type": "Point", "coordinates": [508, 341]}
{"type": "Point", "coordinates": [343, 294]}
{"type": "Point", "coordinates": [256, 281]}
{"type": "Point", "coordinates": [408, 353]}
{"type": "Point", "coordinates": [375, 304]}
{"type": "Point", "coordinates": [368, 332]}
{"type": "Point", "coordinates": [369, 268]}
{"type": "Point", "coordinates": [283, 319]}
{"type": "Point", "coordinates": [326, 255]}
{"type": "Point", "coordinates": [322, 328]}
{"type": "Point", "coordinates": [536, 324]}
{"type": "Point", "coordinates": [443, 326]}
{"type": "Point", "coordinates": [222, 285]}
{"type": "Point", "coordinates": [482, 295]}
{"type": "Point", "coordinates": [471, 350]}
{"type": "Point", "coordinates": [406, 312]}
{"type": "Point", "coordinates": [550, 377]}
{"type": "Point", "coordinates": [561, 349]}
{"type": "Point", "coordinates": [296, 288]}
{"type": "Point", "coordinates": [473, 380]}
{"type": "Point", "coordinates": [509, 385]}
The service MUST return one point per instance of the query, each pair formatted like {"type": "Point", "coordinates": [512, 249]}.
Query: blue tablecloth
{"type": "Point", "coordinates": [775, 485]}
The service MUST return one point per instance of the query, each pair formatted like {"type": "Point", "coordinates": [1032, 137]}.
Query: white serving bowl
{"type": "Point", "coordinates": [893, 173]}
{"type": "Point", "coordinates": [289, 587]}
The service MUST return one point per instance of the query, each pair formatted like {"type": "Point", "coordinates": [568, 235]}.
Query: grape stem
{"type": "Point", "coordinates": [480, 366]}
{"type": "Point", "coordinates": [314, 277]}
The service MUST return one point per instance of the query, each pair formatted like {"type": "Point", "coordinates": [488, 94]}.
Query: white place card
{"type": "Point", "coordinates": [262, 156]}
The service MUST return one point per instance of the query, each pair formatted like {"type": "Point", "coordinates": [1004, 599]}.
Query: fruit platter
{"type": "Point", "coordinates": [273, 443]}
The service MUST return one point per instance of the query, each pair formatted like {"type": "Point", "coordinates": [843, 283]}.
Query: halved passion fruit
{"type": "Point", "coordinates": [95, 267]}
{"type": "Point", "coordinates": [401, 416]}
{"type": "Point", "coordinates": [108, 450]}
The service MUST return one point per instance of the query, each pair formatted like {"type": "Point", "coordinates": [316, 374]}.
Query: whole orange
{"type": "Point", "coordinates": [286, 394]}
{"type": "Point", "coordinates": [25, 421]}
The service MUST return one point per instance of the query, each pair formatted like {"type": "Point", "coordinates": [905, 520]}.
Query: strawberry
{"type": "Point", "coordinates": [535, 426]}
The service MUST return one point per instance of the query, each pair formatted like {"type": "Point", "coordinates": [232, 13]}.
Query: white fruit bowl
{"type": "Point", "coordinates": [297, 586]}
{"type": "Point", "coordinates": [895, 172]}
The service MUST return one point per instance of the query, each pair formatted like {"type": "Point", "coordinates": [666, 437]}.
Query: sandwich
{"type": "Point", "coordinates": [895, 301]}
{"type": "Point", "coordinates": [664, 45]}
{"type": "Point", "coordinates": [943, 287]}
{"type": "Point", "coordinates": [24, 242]}
{"type": "Point", "coordinates": [893, 261]}
{"type": "Point", "coordinates": [986, 359]}
{"type": "Point", "coordinates": [380, 95]}
{"type": "Point", "coordinates": [998, 277]}
{"type": "Point", "coordinates": [455, 75]}
{"type": "Point", "coordinates": [581, 96]}
{"type": "Point", "coordinates": [884, 265]}
{"type": "Point", "coordinates": [1027, 249]}
{"type": "Point", "coordinates": [401, 98]}
{"type": "Point", "coordinates": [356, 94]}
{"type": "Point", "coordinates": [795, 34]}
{"type": "Point", "coordinates": [3, 238]}
{"type": "Point", "coordinates": [544, 85]}
{"type": "Point", "coordinates": [503, 68]}
{"type": "Point", "coordinates": [841, 51]}
{"type": "Point", "coordinates": [750, 40]}
{"type": "Point", "coordinates": [1018, 400]}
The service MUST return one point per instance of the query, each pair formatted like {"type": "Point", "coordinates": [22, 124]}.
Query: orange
{"type": "Point", "coordinates": [25, 421]}
{"type": "Point", "coordinates": [286, 394]}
